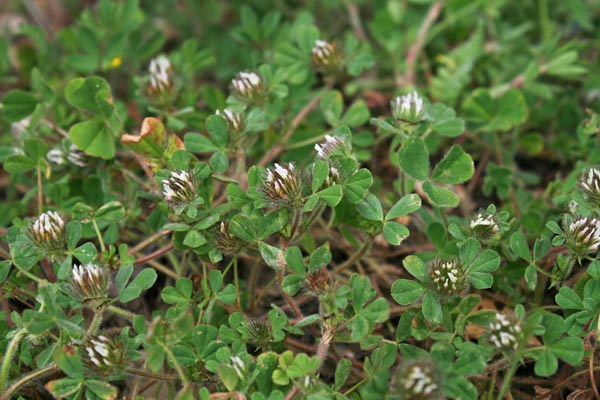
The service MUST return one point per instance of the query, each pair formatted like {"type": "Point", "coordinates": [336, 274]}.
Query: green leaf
{"type": "Point", "coordinates": [432, 309]}
{"type": "Point", "coordinates": [151, 140]}
{"type": "Point", "coordinates": [218, 131]}
{"type": "Point", "coordinates": [331, 195]}
{"type": "Point", "coordinates": [518, 245]}
{"type": "Point", "coordinates": [342, 372]}
{"type": "Point", "coordinates": [194, 239]}
{"type": "Point", "coordinates": [413, 158]}
{"type": "Point", "coordinates": [196, 143]}
{"type": "Point", "coordinates": [361, 291]}
{"type": "Point", "coordinates": [546, 364]}
{"type": "Point", "coordinates": [69, 362]}
{"type": "Point", "coordinates": [332, 105]}
{"type": "Point", "coordinates": [370, 208]}
{"type": "Point", "coordinates": [406, 291]}
{"type": "Point", "coordinates": [531, 277]}
{"type": "Point", "coordinates": [273, 256]}
{"type": "Point", "coordinates": [485, 113]}
{"type": "Point", "coordinates": [359, 328]}
{"type": "Point", "coordinates": [488, 261]}
{"type": "Point", "coordinates": [94, 137]}
{"type": "Point", "coordinates": [395, 233]}
{"type": "Point", "coordinates": [86, 252]}
{"type": "Point", "coordinates": [102, 390]}
{"type": "Point", "coordinates": [568, 299]}
{"type": "Point", "coordinates": [91, 94]}
{"type": "Point", "coordinates": [22, 250]}
{"type": "Point", "coordinates": [416, 267]}
{"type": "Point", "coordinates": [180, 294]}
{"type": "Point", "coordinates": [456, 167]}
{"type": "Point", "coordinates": [319, 258]}
{"type": "Point", "coordinates": [4, 270]}
{"type": "Point", "coordinates": [18, 163]}
{"type": "Point", "coordinates": [113, 211]}
{"type": "Point", "coordinates": [295, 261]}
{"type": "Point", "coordinates": [35, 149]}
{"type": "Point", "coordinates": [18, 104]}
{"type": "Point", "coordinates": [444, 120]}
{"type": "Point", "coordinates": [377, 311]}
{"type": "Point", "coordinates": [243, 228]}
{"type": "Point", "coordinates": [358, 184]}
{"type": "Point", "coordinates": [406, 205]}
{"type": "Point", "coordinates": [356, 115]}
{"type": "Point", "coordinates": [320, 170]}
{"type": "Point", "coordinates": [73, 234]}
{"type": "Point", "coordinates": [144, 280]}
{"type": "Point", "coordinates": [227, 376]}
{"type": "Point", "coordinates": [439, 196]}
{"type": "Point", "coordinates": [569, 349]}
{"type": "Point", "coordinates": [61, 388]}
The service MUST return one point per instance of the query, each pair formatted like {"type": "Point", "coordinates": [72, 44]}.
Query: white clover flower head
{"type": "Point", "coordinates": [590, 185]}
{"type": "Point", "coordinates": [90, 284]}
{"type": "Point", "coordinates": [179, 189]}
{"type": "Point", "coordinates": [48, 231]}
{"type": "Point", "coordinates": [77, 157]}
{"type": "Point", "coordinates": [283, 184]}
{"type": "Point", "coordinates": [98, 351]}
{"type": "Point", "coordinates": [247, 85]}
{"type": "Point", "coordinates": [418, 381]}
{"type": "Point", "coordinates": [56, 156]}
{"type": "Point", "coordinates": [323, 54]}
{"type": "Point", "coordinates": [484, 225]}
{"type": "Point", "coordinates": [160, 73]}
{"type": "Point", "coordinates": [107, 355]}
{"type": "Point", "coordinates": [225, 241]}
{"type": "Point", "coordinates": [448, 278]}
{"type": "Point", "coordinates": [19, 127]}
{"type": "Point", "coordinates": [583, 236]}
{"type": "Point", "coordinates": [332, 145]}
{"type": "Point", "coordinates": [235, 121]}
{"type": "Point", "coordinates": [504, 333]}
{"type": "Point", "coordinates": [409, 107]}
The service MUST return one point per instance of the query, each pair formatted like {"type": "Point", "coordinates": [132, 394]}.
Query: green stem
{"type": "Point", "coordinates": [30, 275]}
{"type": "Point", "coordinates": [40, 191]}
{"type": "Point", "coordinates": [121, 312]}
{"type": "Point", "coordinates": [95, 321]}
{"type": "Point", "coordinates": [100, 240]}
{"type": "Point", "coordinates": [27, 378]}
{"type": "Point", "coordinates": [353, 388]}
{"type": "Point", "coordinates": [153, 376]}
{"type": "Point", "coordinates": [508, 379]}
{"type": "Point", "coordinates": [306, 142]}
{"type": "Point", "coordinates": [8, 356]}
{"type": "Point", "coordinates": [178, 368]}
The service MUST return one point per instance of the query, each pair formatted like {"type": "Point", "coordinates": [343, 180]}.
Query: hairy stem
{"type": "Point", "coordinates": [8, 356]}
{"type": "Point", "coordinates": [356, 256]}
{"type": "Point", "coordinates": [26, 379]}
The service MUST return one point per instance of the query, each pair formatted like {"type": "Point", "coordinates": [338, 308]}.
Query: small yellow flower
{"type": "Point", "coordinates": [116, 62]}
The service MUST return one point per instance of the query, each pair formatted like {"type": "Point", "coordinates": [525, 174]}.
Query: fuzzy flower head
{"type": "Point", "coordinates": [105, 355]}
{"type": "Point", "coordinates": [283, 185]}
{"type": "Point", "coordinates": [409, 107]}
{"type": "Point", "coordinates": [505, 333]}
{"type": "Point", "coordinates": [77, 157]}
{"type": "Point", "coordinates": [448, 278]}
{"type": "Point", "coordinates": [590, 185]}
{"type": "Point", "coordinates": [583, 236]}
{"type": "Point", "coordinates": [256, 331]}
{"type": "Point", "coordinates": [417, 381]}
{"type": "Point", "coordinates": [484, 226]}
{"type": "Point", "coordinates": [48, 232]}
{"type": "Point", "coordinates": [247, 86]}
{"type": "Point", "coordinates": [319, 281]}
{"type": "Point", "coordinates": [332, 145]}
{"type": "Point", "coordinates": [235, 121]}
{"type": "Point", "coordinates": [179, 189]}
{"type": "Point", "coordinates": [324, 55]}
{"type": "Point", "coordinates": [160, 74]}
{"type": "Point", "coordinates": [90, 284]}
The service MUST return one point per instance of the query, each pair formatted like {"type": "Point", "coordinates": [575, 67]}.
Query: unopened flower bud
{"type": "Point", "coordinates": [448, 278]}
{"type": "Point", "coordinates": [18, 128]}
{"type": "Point", "coordinates": [48, 232]}
{"type": "Point", "coordinates": [583, 236]}
{"type": "Point", "coordinates": [319, 281]}
{"type": "Point", "coordinates": [590, 185]}
{"type": "Point", "coordinates": [505, 333]}
{"type": "Point", "coordinates": [247, 85]}
{"type": "Point", "coordinates": [179, 189]}
{"type": "Point", "coordinates": [324, 55]}
{"type": "Point", "coordinates": [160, 74]}
{"type": "Point", "coordinates": [484, 226]}
{"type": "Point", "coordinates": [90, 284]}
{"type": "Point", "coordinates": [105, 355]}
{"type": "Point", "coordinates": [283, 184]}
{"type": "Point", "coordinates": [416, 381]}
{"type": "Point", "coordinates": [225, 241]}
{"type": "Point", "coordinates": [256, 331]}
{"type": "Point", "coordinates": [235, 121]}
{"type": "Point", "coordinates": [408, 108]}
